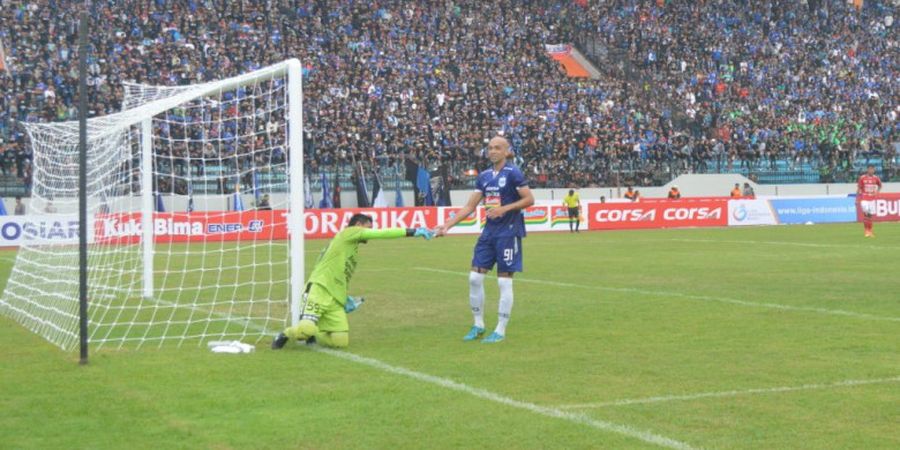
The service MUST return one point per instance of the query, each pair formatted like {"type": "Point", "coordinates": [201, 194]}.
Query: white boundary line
{"type": "Point", "coordinates": [734, 301]}
{"type": "Point", "coordinates": [447, 383]}
{"type": "Point", "coordinates": [794, 244]}
{"type": "Point", "coordinates": [669, 398]}
{"type": "Point", "coordinates": [556, 413]}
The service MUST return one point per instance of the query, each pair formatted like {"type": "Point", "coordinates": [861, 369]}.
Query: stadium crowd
{"type": "Point", "coordinates": [729, 84]}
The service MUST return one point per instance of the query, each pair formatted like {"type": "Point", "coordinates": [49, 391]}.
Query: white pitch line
{"type": "Point", "coordinates": [447, 383]}
{"type": "Point", "coordinates": [669, 398]}
{"type": "Point", "coordinates": [734, 301]}
{"type": "Point", "coordinates": [794, 244]}
{"type": "Point", "coordinates": [556, 413]}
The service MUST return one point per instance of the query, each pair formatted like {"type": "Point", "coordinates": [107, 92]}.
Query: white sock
{"type": "Point", "coordinates": [506, 304]}
{"type": "Point", "coordinates": [476, 297]}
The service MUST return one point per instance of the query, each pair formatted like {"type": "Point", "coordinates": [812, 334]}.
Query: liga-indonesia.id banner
{"type": "Point", "coordinates": [750, 212]}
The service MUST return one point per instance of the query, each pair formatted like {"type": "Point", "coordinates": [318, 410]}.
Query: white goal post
{"type": "Point", "coordinates": [195, 207]}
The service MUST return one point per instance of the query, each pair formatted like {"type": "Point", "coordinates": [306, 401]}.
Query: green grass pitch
{"type": "Point", "coordinates": [770, 337]}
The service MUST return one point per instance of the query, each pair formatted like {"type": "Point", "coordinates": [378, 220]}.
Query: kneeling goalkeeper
{"type": "Point", "coordinates": [323, 315]}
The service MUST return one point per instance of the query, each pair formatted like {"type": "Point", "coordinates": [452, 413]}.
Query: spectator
{"type": "Point", "coordinates": [736, 191]}
{"type": "Point", "coordinates": [674, 193]}
{"type": "Point", "coordinates": [748, 191]}
{"type": "Point", "coordinates": [263, 204]}
{"type": "Point", "coordinates": [20, 207]}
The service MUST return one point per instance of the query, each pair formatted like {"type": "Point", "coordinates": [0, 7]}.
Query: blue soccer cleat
{"type": "Point", "coordinates": [474, 333]}
{"type": "Point", "coordinates": [493, 338]}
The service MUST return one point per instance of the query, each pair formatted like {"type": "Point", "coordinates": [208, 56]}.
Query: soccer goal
{"type": "Point", "coordinates": [195, 206]}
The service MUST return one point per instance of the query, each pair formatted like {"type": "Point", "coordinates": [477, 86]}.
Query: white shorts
{"type": "Point", "coordinates": [867, 207]}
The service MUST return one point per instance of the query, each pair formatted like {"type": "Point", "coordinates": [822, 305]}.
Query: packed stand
{"type": "Point", "coordinates": [723, 84]}
{"type": "Point", "coordinates": [759, 83]}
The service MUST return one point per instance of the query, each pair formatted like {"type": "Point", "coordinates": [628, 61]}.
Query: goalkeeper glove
{"type": "Point", "coordinates": [424, 232]}
{"type": "Point", "coordinates": [352, 304]}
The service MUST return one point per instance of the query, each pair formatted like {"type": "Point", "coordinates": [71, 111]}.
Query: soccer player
{"type": "Point", "coordinates": [573, 203]}
{"type": "Point", "coordinates": [323, 316]}
{"type": "Point", "coordinates": [868, 186]}
{"type": "Point", "coordinates": [505, 192]}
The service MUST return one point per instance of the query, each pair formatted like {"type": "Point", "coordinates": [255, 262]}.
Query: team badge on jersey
{"type": "Point", "coordinates": [501, 182]}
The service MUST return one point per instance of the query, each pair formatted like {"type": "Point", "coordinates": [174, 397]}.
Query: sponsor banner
{"type": "Point", "coordinates": [537, 218]}
{"type": "Point", "coordinates": [468, 225]}
{"type": "Point", "coordinates": [325, 223]}
{"type": "Point", "coordinates": [196, 226]}
{"type": "Point", "coordinates": [252, 225]}
{"type": "Point", "coordinates": [886, 207]}
{"type": "Point", "coordinates": [815, 210]}
{"type": "Point", "coordinates": [750, 212]}
{"type": "Point", "coordinates": [668, 214]}
{"type": "Point", "coordinates": [558, 49]}
{"type": "Point", "coordinates": [559, 217]}
{"type": "Point", "coordinates": [21, 230]}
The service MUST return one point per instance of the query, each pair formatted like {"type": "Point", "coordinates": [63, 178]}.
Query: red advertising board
{"type": "Point", "coordinates": [196, 226]}
{"type": "Point", "coordinates": [658, 214]}
{"type": "Point", "coordinates": [887, 208]}
{"type": "Point", "coordinates": [323, 223]}
{"type": "Point", "coordinates": [251, 225]}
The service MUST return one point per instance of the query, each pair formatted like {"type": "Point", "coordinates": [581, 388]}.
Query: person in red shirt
{"type": "Point", "coordinates": [868, 186]}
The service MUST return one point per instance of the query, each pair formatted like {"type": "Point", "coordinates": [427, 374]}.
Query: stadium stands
{"type": "Point", "coordinates": [773, 90]}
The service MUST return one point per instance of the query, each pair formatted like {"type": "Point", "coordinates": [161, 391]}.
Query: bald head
{"type": "Point", "coordinates": [499, 141]}
{"type": "Point", "coordinates": [498, 150]}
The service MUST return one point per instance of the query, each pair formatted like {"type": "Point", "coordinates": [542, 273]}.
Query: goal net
{"type": "Point", "coordinates": [194, 206]}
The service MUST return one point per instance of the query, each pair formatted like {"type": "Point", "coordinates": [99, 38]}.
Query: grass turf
{"type": "Point", "coordinates": [599, 317]}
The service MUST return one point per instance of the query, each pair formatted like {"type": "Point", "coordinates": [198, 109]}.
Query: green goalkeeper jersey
{"type": "Point", "coordinates": [337, 262]}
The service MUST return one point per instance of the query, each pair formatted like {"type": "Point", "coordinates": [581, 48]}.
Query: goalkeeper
{"type": "Point", "coordinates": [323, 314]}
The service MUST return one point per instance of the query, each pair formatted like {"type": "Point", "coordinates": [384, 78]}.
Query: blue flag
{"type": "Point", "coordinates": [307, 193]}
{"type": "Point", "coordinates": [362, 197]}
{"type": "Point", "coordinates": [2, 209]}
{"type": "Point", "coordinates": [398, 196]}
{"type": "Point", "coordinates": [326, 196]}
{"type": "Point", "coordinates": [423, 183]}
{"type": "Point", "coordinates": [238, 204]}
{"type": "Point", "coordinates": [159, 203]}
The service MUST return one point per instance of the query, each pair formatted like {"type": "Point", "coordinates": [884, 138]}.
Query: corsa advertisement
{"type": "Point", "coordinates": [887, 209]}
{"type": "Point", "coordinates": [658, 214]}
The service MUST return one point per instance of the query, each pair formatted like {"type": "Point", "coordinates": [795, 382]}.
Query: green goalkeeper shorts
{"type": "Point", "coordinates": [325, 310]}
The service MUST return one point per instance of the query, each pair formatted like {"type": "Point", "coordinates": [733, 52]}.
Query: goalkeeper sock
{"type": "Point", "coordinates": [476, 297]}
{"type": "Point", "coordinates": [506, 304]}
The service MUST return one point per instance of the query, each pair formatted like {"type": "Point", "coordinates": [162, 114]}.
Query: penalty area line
{"type": "Point", "coordinates": [735, 393]}
{"type": "Point", "coordinates": [733, 301]}
{"type": "Point", "coordinates": [578, 418]}
{"type": "Point", "coordinates": [556, 413]}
